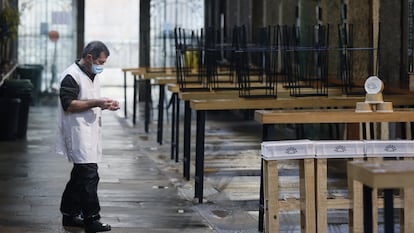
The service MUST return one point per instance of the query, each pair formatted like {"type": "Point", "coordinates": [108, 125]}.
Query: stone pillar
{"type": "Point", "coordinates": [271, 12]}
{"type": "Point", "coordinates": [307, 12]}
{"type": "Point", "coordinates": [331, 16]}
{"type": "Point", "coordinates": [239, 13]}
{"type": "Point", "coordinates": [307, 19]}
{"type": "Point", "coordinates": [80, 26]}
{"type": "Point", "coordinates": [393, 42]}
{"type": "Point", "coordinates": [287, 12]}
{"type": "Point", "coordinates": [144, 42]}
{"type": "Point", "coordinates": [366, 15]}
{"type": "Point", "coordinates": [144, 33]}
{"type": "Point", "coordinates": [258, 14]}
{"type": "Point", "coordinates": [360, 17]}
{"type": "Point", "coordinates": [212, 13]}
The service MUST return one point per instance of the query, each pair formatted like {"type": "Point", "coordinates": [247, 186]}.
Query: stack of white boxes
{"type": "Point", "coordinates": [314, 199]}
{"type": "Point", "coordinates": [301, 149]}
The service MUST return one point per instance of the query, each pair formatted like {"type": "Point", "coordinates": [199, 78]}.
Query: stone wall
{"type": "Point", "coordinates": [362, 14]}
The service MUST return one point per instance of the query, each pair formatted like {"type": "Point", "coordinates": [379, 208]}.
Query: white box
{"type": "Point", "coordinates": [288, 149]}
{"type": "Point", "coordinates": [389, 148]}
{"type": "Point", "coordinates": [340, 149]}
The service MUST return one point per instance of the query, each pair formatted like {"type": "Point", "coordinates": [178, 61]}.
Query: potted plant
{"type": "Point", "coordinates": [9, 22]}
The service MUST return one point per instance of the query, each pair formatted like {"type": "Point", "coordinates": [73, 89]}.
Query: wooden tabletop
{"type": "Point", "coordinates": [132, 69]}
{"type": "Point", "coordinates": [152, 75]}
{"type": "Point", "coordinates": [151, 71]}
{"type": "Point", "coordinates": [207, 95]}
{"type": "Point", "coordinates": [291, 102]}
{"type": "Point", "coordinates": [165, 80]}
{"type": "Point", "coordinates": [332, 116]}
{"type": "Point", "coordinates": [384, 174]}
{"type": "Point", "coordinates": [272, 103]}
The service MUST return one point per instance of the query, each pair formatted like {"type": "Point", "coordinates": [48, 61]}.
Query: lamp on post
{"type": "Point", "coordinates": [54, 37]}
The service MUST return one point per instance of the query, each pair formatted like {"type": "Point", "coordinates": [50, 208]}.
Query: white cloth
{"type": "Point", "coordinates": [79, 134]}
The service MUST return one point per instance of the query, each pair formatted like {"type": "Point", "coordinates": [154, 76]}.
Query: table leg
{"type": "Point", "coordinates": [271, 188]}
{"type": "Point", "coordinates": [367, 197]}
{"type": "Point", "coordinates": [261, 198]}
{"type": "Point", "coordinates": [147, 84]}
{"type": "Point", "coordinates": [187, 140]}
{"type": "Point", "coordinates": [125, 95]}
{"type": "Point", "coordinates": [160, 113]}
{"type": "Point", "coordinates": [199, 170]}
{"type": "Point", "coordinates": [388, 211]}
{"type": "Point", "coordinates": [307, 194]}
{"type": "Point", "coordinates": [173, 122]}
{"type": "Point", "coordinates": [356, 213]}
{"type": "Point", "coordinates": [321, 195]}
{"type": "Point", "coordinates": [268, 132]}
{"type": "Point", "coordinates": [134, 112]}
{"type": "Point", "coordinates": [177, 128]}
{"type": "Point", "coordinates": [408, 209]}
{"type": "Point", "coordinates": [267, 135]}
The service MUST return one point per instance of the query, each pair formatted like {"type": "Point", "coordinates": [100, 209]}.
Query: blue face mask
{"type": "Point", "coordinates": [96, 69]}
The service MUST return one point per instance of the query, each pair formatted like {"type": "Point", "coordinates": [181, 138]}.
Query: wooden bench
{"type": "Point", "coordinates": [387, 175]}
{"type": "Point", "coordinates": [322, 202]}
{"type": "Point", "coordinates": [304, 152]}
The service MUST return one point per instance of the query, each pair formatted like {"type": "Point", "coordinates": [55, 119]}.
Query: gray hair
{"type": "Point", "coordinates": [95, 48]}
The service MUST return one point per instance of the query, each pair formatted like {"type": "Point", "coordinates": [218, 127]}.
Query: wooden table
{"type": "Point", "coordinates": [271, 117]}
{"type": "Point", "coordinates": [201, 106]}
{"type": "Point", "coordinates": [125, 71]}
{"type": "Point", "coordinates": [162, 81]}
{"type": "Point", "coordinates": [147, 74]}
{"type": "Point", "coordinates": [227, 92]}
{"type": "Point", "coordinates": [387, 175]}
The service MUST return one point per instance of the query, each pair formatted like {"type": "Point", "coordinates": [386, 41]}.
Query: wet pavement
{"type": "Point", "coordinates": [141, 188]}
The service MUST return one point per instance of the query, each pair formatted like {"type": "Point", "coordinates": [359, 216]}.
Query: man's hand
{"type": "Point", "coordinates": [104, 103]}
{"type": "Point", "coordinates": [114, 106]}
{"type": "Point", "coordinates": [83, 105]}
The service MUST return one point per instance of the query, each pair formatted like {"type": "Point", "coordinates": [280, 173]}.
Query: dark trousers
{"type": "Point", "coordinates": [80, 195]}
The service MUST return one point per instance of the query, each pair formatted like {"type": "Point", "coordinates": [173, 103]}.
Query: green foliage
{"type": "Point", "coordinates": [10, 19]}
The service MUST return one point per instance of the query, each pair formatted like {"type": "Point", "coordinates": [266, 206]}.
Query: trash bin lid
{"type": "Point", "coordinates": [17, 84]}
{"type": "Point", "coordinates": [31, 66]}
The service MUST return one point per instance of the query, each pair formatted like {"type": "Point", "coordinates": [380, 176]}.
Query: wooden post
{"type": "Point", "coordinates": [375, 12]}
{"type": "Point", "coordinates": [307, 195]}
{"type": "Point", "coordinates": [270, 176]}
{"type": "Point", "coordinates": [321, 195]}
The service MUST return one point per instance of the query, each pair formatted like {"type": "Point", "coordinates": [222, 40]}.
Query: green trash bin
{"type": "Point", "coordinates": [9, 115]}
{"type": "Point", "coordinates": [21, 89]}
{"type": "Point", "coordinates": [32, 72]}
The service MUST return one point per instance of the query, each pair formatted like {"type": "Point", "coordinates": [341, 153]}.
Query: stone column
{"type": "Point", "coordinates": [307, 19]}
{"type": "Point", "coordinates": [331, 17]}
{"type": "Point", "coordinates": [359, 15]}
{"type": "Point", "coordinates": [393, 42]}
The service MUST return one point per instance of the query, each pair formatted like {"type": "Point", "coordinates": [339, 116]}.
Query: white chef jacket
{"type": "Point", "coordinates": [79, 134]}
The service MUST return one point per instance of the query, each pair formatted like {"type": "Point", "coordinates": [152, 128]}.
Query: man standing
{"type": "Point", "coordinates": [79, 126]}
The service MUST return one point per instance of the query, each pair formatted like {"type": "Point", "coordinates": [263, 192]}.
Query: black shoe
{"type": "Point", "coordinates": [72, 221]}
{"type": "Point", "coordinates": [97, 226]}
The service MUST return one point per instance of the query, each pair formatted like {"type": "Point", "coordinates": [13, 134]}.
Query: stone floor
{"type": "Point", "coordinates": [142, 190]}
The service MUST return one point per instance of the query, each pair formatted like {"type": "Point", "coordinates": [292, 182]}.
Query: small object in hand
{"type": "Point", "coordinates": [114, 105]}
